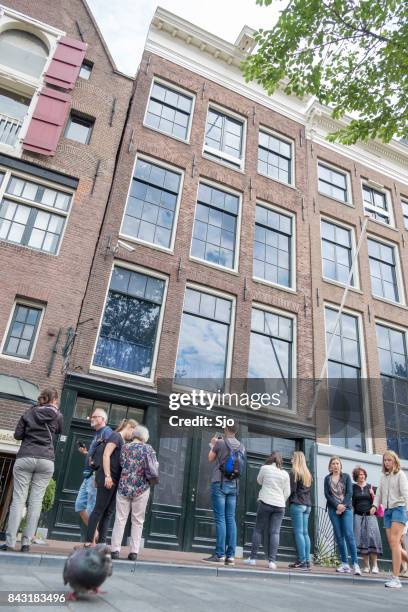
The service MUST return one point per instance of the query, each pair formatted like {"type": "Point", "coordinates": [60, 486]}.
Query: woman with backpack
{"type": "Point", "coordinates": [392, 493]}
{"type": "Point", "coordinates": [366, 530]}
{"type": "Point", "coordinates": [34, 466]}
{"type": "Point", "coordinates": [338, 492]}
{"type": "Point", "coordinates": [140, 469]}
{"type": "Point", "coordinates": [275, 490]}
{"type": "Point", "coordinates": [105, 460]}
{"type": "Point", "coordinates": [300, 505]}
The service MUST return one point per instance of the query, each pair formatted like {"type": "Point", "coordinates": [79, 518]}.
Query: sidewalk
{"type": "Point", "coordinates": [54, 552]}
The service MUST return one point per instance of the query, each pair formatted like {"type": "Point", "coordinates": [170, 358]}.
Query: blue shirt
{"type": "Point", "coordinates": [101, 434]}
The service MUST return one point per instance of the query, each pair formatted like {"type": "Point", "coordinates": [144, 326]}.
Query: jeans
{"type": "Point", "coordinates": [32, 475]}
{"type": "Point", "coordinates": [224, 503]}
{"type": "Point", "coordinates": [102, 513]}
{"type": "Point", "coordinates": [344, 534]}
{"type": "Point", "coordinates": [300, 519]}
{"type": "Point", "coordinates": [270, 518]}
{"type": "Point", "coordinates": [137, 506]}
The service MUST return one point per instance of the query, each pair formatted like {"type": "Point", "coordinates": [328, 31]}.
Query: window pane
{"type": "Point", "coordinates": [23, 328]}
{"type": "Point", "coordinates": [169, 111]}
{"type": "Point", "coordinates": [79, 129]}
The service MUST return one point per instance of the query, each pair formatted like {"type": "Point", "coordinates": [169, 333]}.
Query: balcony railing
{"type": "Point", "coordinates": [9, 129]}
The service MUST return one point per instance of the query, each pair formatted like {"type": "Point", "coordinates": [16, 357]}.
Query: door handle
{"type": "Point", "coordinates": [193, 492]}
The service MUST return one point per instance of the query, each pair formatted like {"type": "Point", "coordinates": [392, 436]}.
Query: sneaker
{"type": "Point", "coordinates": [344, 568]}
{"type": "Point", "coordinates": [295, 565]}
{"type": "Point", "coordinates": [356, 569]}
{"type": "Point", "coordinates": [132, 556]}
{"type": "Point", "coordinates": [115, 555]}
{"type": "Point", "coordinates": [304, 567]}
{"type": "Point", "coordinates": [394, 583]}
{"type": "Point", "coordinates": [5, 548]}
{"type": "Point", "coordinates": [214, 559]}
{"type": "Point", "coordinates": [250, 561]}
{"type": "Point", "coordinates": [366, 569]}
{"type": "Point", "coordinates": [230, 561]}
{"type": "Point", "coordinates": [272, 565]}
{"type": "Point", "coordinates": [25, 548]}
{"type": "Point", "coordinates": [375, 570]}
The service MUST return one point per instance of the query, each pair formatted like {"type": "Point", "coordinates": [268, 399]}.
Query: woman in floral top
{"type": "Point", "coordinates": [133, 492]}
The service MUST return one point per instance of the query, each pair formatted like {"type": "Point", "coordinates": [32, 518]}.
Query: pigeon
{"type": "Point", "coordinates": [87, 568]}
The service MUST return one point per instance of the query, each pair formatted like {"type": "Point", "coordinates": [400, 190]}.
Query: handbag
{"type": "Point", "coordinates": [380, 510]}
{"type": "Point", "coordinates": [151, 468]}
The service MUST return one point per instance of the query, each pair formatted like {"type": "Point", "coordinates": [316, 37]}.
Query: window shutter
{"type": "Point", "coordinates": [47, 122]}
{"type": "Point", "coordinates": [66, 63]}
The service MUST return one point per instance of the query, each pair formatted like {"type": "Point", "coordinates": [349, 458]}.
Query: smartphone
{"type": "Point", "coordinates": [81, 444]}
{"type": "Point", "coordinates": [218, 435]}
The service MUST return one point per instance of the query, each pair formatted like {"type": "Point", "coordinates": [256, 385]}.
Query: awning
{"type": "Point", "coordinates": [18, 389]}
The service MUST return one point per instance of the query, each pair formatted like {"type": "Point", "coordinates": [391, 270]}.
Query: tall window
{"type": "Point", "coordinates": [273, 246]}
{"type": "Point", "coordinates": [22, 51]}
{"type": "Point", "coordinates": [33, 215]}
{"type": "Point", "coordinates": [169, 111]}
{"type": "Point", "coordinates": [344, 382]}
{"type": "Point", "coordinates": [79, 128]}
{"type": "Point", "coordinates": [271, 353]}
{"type": "Point", "coordinates": [275, 157]}
{"type": "Point", "coordinates": [393, 357]}
{"type": "Point", "coordinates": [215, 226]}
{"type": "Point", "coordinates": [151, 206]}
{"type": "Point", "coordinates": [224, 137]}
{"type": "Point", "coordinates": [204, 335]}
{"type": "Point", "coordinates": [22, 331]}
{"type": "Point", "coordinates": [336, 252]}
{"type": "Point", "coordinates": [404, 205]}
{"type": "Point", "coordinates": [376, 204]}
{"type": "Point", "coordinates": [130, 323]}
{"type": "Point", "coordinates": [13, 109]}
{"type": "Point", "coordinates": [333, 183]}
{"type": "Point", "coordinates": [383, 270]}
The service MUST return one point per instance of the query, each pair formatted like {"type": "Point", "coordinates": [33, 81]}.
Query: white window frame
{"type": "Point", "coordinates": [218, 156]}
{"type": "Point", "coordinates": [369, 207]}
{"type": "Point", "coordinates": [398, 270]}
{"type": "Point", "coordinates": [29, 304]}
{"type": "Point", "coordinates": [9, 173]}
{"type": "Point", "coordinates": [117, 373]}
{"type": "Point", "coordinates": [356, 273]}
{"type": "Point", "coordinates": [233, 192]}
{"type": "Point", "coordinates": [294, 364]}
{"type": "Point", "coordinates": [346, 173]}
{"type": "Point", "coordinates": [231, 333]}
{"type": "Point", "coordinates": [293, 255]}
{"type": "Point", "coordinates": [363, 359]}
{"type": "Point", "coordinates": [185, 92]}
{"type": "Point", "coordinates": [404, 200]}
{"type": "Point", "coordinates": [156, 162]}
{"type": "Point", "coordinates": [18, 82]}
{"type": "Point", "coordinates": [290, 141]}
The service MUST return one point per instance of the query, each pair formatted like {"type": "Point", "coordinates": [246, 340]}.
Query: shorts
{"type": "Point", "coordinates": [395, 515]}
{"type": "Point", "coordinates": [86, 497]}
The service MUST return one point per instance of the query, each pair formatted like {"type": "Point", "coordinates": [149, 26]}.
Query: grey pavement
{"type": "Point", "coordinates": [177, 589]}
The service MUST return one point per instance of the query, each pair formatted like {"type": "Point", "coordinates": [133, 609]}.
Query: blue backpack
{"type": "Point", "coordinates": [233, 465]}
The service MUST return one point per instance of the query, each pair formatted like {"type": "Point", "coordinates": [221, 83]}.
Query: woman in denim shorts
{"type": "Point", "coordinates": [392, 493]}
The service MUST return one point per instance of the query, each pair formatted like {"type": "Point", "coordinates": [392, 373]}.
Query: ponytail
{"type": "Point", "coordinates": [47, 396]}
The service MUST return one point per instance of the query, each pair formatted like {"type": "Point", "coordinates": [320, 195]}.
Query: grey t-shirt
{"type": "Point", "coordinates": [221, 450]}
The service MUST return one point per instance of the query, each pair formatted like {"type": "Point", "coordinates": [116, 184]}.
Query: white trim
{"type": "Point", "coordinates": [30, 304]}
{"type": "Point", "coordinates": [238, 216]}
{"type": "Point", "coordinates": [30, 20]}
{"type": "Point", "coordinates": [231, 331]}
{"type": "Point", "coordinates": [389, 212]}
{"type": "Point", "coordinates": [237, 163]}
{"type": "Point", "coordinates": [367, 421]}
{"type": "Point", "coordinates": [167, 166]}
{"type": "Point", "coordinates": [117, 373]}
{"type": "Point", "coordinates": [395, 326]}
{"type": "Point", "coordinates": [292, 254]}
{"type": "Point", "coordinates": [346, 173]}
{"type": "Point", "coordinates": [288, 140]}
{"type": "Point", "coordinates": [65, 214]}
{"type": "Point", "coordinates": [398, 271]}
{"type": "Point", "coordinates": [294, 364]}
{"type": "Point", "coordinates": [169, 85]}
{"type": "Point", "coordinates": [351, 229]}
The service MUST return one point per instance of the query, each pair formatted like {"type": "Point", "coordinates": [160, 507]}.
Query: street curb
{"type": "Point", "coordinates": [122, 566]}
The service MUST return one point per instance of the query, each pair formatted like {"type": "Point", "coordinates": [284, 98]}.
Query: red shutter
{"type": "Point", "coordinates": [47, 122]}
{"type": "Point", "coordinates": [66, 63]}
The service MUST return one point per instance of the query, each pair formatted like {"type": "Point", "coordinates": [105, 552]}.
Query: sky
{"type": "Point", "coordinates": [124, 23]}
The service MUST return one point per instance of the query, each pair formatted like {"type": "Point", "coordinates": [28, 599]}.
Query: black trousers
{"type": "Point", "coordinates": [102, 513]}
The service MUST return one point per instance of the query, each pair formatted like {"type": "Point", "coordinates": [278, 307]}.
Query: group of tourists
{"type": "Point", "coordinates": [120, 469]}
{"type": "Point", "coordinates": [353, 509]}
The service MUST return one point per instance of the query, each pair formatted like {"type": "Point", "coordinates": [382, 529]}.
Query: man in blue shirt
{"type": "Point", "coordinates": [85, 501]}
